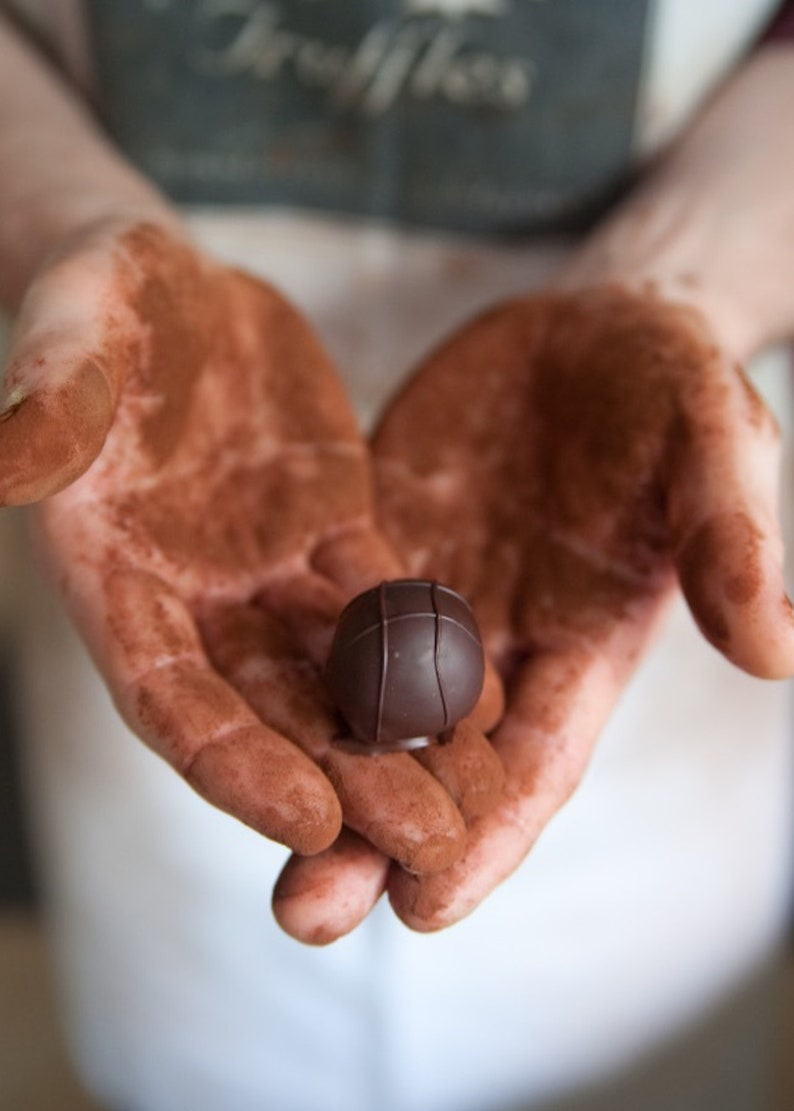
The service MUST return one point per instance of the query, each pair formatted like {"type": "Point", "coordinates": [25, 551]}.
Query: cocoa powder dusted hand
{"type": "Point", "coordinates": [597, 450]}
{"type": "Point", "coordinates": [564, 462]}
{"type": "Point", "coordinates": [223, 520]}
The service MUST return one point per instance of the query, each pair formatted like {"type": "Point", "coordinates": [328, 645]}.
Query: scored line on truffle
{"type": "Point", "coordinates": [437, 650]}
{"type": "Point", "coordinates": [397, 617]}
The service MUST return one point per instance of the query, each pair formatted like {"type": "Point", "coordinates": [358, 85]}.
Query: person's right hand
{"type": "Point", "coordinates": [223, 520]}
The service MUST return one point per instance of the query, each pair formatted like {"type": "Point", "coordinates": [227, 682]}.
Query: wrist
{"type": "Point", "coordinates": [712, 225]}
{"type": "Point", "coordinates": [46, 222]}
{"type": "Point", "coordinates": [667, 242]}
{"type": "Point", "coordinates": [60, 174]}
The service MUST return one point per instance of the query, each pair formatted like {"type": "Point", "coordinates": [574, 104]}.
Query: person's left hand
{"type": "Point", "coordinates": [563, 462]}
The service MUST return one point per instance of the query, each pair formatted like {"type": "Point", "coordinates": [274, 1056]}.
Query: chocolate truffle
{"type": "Point", "coordinates": [406, 663]}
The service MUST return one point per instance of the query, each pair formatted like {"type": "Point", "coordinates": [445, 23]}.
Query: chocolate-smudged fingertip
{"type": "Point", "coordinates": [318, 900]}
{"type": "Point", "coordinates": [49, 438]}
{"type": "Point", "coordinates": [249, 785]}
{"type": "Point", "coordinates": [414, 905]}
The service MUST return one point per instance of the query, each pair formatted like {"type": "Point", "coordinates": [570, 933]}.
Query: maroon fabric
{"type": "Point", "coordinates": [782, 25]}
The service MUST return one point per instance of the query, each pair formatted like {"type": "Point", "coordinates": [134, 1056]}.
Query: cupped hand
{"type": "Point", "coordinates": [207, 514]}
{"type": "Point", "coordinates": [567, 462]}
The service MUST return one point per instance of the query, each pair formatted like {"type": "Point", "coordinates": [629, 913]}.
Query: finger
{"type": "Point", "coordinates": [390, 799]}
{"type": "Point", "coordinates": [170, 695]}
{"type": "Point", "coordinates": [61, 384]}
{"type": "Point", "coordinates": [50, 436]}
{"type": "Point", "coordinates": [321, 898]}
{"type": "Point", "coordinates": [556, 708]}
{"type": "Point", "coordinates": [266, 663]}
{"type": "Point", "coordinates": [356, 559]}
{"type": "Point", "coordinates": [468, 767]}
{"type": "Point", "coordinates": [308, 606]}
{"type": "Point", "coordinates": [726, 535]}
{"type": "Point", "coordinates": [393, 802]}
{"type": "Point", "coordinates": [491, 703]}
{"type": "Point", "coordinates": [309, 600]}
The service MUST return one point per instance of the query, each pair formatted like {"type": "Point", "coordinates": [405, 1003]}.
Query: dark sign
{"type": "Point", "coordinates": [482, 115]}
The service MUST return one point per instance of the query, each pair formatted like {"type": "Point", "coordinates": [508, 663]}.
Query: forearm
{"type": "Point", "coordinates": [713, 223]}
{"type": "Point", "coordinates": [57, 172]}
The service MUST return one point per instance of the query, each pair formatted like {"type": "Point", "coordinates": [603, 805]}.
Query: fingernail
{"type": "Point", "coordinates": [11, 402]}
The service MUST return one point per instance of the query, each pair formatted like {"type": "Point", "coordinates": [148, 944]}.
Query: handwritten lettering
{"type": "Point", "coordinates": [423, 58]}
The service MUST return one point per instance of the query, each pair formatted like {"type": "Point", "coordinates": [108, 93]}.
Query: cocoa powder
{"type": "Point", "coordinates": [529, 464]}
{"type": "Point", "coordinates": [176, 306]}
{"type": "Point", "coordinates": [709, 584]}
{"type": "Point", "coordinates": [54, 434]}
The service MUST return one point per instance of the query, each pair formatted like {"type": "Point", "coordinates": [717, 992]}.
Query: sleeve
{"type": "Point", "coordinates": [782, 25]}
{"type": "Point", "coordinates": [59, 30]}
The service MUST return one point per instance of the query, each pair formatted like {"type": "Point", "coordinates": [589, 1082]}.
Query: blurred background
{"type": "Point", "coordinates": [34, 1071]}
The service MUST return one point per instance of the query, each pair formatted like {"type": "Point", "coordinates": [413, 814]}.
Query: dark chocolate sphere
{"type": "Point", "coordinates": [406, 663]}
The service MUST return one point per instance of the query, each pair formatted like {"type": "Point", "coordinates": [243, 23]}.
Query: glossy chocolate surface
{"type": "Point", "coordinates": [406, 664]}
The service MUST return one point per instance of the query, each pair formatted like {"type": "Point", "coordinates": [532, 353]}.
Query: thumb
{"type": "Point", "coordinates": [50, 436]}
{"type": "Point", "coordinates": [726, 534]}
{"type": "Point", "coordinates": [59, 389]}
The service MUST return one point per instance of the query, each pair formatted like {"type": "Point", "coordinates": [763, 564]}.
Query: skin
{"type": "Point", "coordinates": [152, 398]}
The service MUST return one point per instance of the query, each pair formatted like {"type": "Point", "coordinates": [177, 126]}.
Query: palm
{"type": "Point", "coordinates": [234, 452]}
{"type": "Point", "coordinates": [544, 463]}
